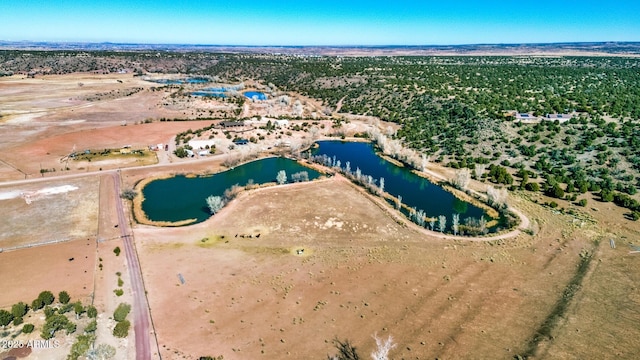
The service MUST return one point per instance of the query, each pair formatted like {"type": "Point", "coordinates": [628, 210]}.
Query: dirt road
{"type": "Point", "coordinates": [140, 305]}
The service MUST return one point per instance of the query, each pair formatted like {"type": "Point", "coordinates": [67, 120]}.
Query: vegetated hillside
{"type": "Point", "coordinates": [70, 61]}
{"type": "Point", "coordinates": [454, 109]}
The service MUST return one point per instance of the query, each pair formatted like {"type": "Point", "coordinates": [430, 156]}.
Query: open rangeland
{"type": "Point", "coordinates": [217, 288]}
{"type": "Point", "coordinates": [328, 262]}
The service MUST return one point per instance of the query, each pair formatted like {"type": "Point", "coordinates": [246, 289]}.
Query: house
{"type": "Point", "coordinates": [282, 123]}
{"type": "Point", "coordinates": [560, 117]}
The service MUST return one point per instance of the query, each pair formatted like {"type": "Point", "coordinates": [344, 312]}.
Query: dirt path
{"type": "Point", "coordinates": [140, 305]}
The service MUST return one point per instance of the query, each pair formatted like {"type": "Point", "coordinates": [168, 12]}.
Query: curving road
{"type": "Point", "coordinates": [140, 305]}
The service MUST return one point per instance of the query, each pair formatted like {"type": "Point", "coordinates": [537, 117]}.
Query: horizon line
{"type": "Point", "coordinates": [4, 42]}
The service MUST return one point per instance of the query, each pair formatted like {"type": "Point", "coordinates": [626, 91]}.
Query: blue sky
{"type": "Point", "coordinates": [331, 22]}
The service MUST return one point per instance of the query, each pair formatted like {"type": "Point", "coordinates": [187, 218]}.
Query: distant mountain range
{"type": "Point", "coordinates": [581, 48]}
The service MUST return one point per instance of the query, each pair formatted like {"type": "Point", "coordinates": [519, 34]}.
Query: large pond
{"type": "Point", "coordinates": [415, 190]}
{"type": "Point", "coordinates": [181, 198]}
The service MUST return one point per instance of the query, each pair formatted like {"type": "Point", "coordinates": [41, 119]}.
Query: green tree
{"type": "Point", "coordinates": [91, 327]}
{"type": "Point", "coordinates": [532, 186]}
{"type": "Point", "coordinates": [555, 191]}
{"type": "Point", "coordinates": [54, 323]}
{"type": "Point", "coordinates": [20, 309]}
{"type": "Point", "coordinates": [37, 304]}
{"type": "Point", "coordinates": [46, 297]}
{"type": "Point", "coordinates": [92, 312]}
{"type": "Point", "coordinates": [5, 318]}
{"type": "Point", "coordinates": [122, 329]}
{"type": "Point", "coordinates": [64, 297]}
{"type": "Point", "coordinates": [117, 250]}
{"type": "Point", "coordinates": [78, 309]}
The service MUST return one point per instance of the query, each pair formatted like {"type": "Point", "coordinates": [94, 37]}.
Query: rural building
{"type": "Point", "coordinates": [202, 144]}
{"type": "Point", "coordinates": [560, 117]}
{"type": "Point", "coordinates": [241, 141]}
{"type": "Point", "coordinates": [282, 123]}
{"type": "Point", "coordinates": [231, 124]}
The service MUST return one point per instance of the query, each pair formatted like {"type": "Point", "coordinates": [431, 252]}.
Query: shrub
{"type": "Point", "coordinates": [118, 292]}
{"type": "Point", "coordinates": [46, 297]}
{"type": "Point", "coordinates": [20, 309]}
{"type": "Point", "coordinates": [532, 186]}
{"type": "Point", "coordinates": [91, 327]}
{"type": "Point", "coordinates": [17, 321]}
{"type": "Point", "coordinates": [122, 329]}
{"type": "Point", "coordinates": [121, 312]}
{"type": "Point", "coordinates": [5, 317]}
{"type": "Point", "coordinates": [64, 297]}
{"type": "Point", "coordinates": [582, 202]}
{"type": "Point", "coordinates": [92, 312]}
{"type": "Point", "coordinates": [117, 251]}
{"type": "Point", "coordinates": [27, 328]}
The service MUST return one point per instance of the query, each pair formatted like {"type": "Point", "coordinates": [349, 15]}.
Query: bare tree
{"type": "Point", "coordinates": [399, 202]}
{"type": "Point", "coordinates": [461, 181]}
{"type": "Point", "coordinates": [282, 177]}
{"type": "Point", "coordinates": [497, 197]}
{"type": "Point", "coordinates": [215, 203]}
{"type": "Point", "coordinates": [432, 223]}
{"type": "Point", "coordinates": [442, 223]}
{"type": "Point", "coordinates": [382, 348]}
{"type": "Point", "coordinates": [479, 170]}
{"type": "Point", "coordinates": [381, 186]}
{"type": "Point", "coordinates": [455, 222]}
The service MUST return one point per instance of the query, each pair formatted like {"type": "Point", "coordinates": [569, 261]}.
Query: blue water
{"type": "Point", "coordinates": [182, 198]}
{"type": "Point", "coordinates": [209, 94]}
{"type": "Point", "coordinates": [415, 190]}
{"type": "Point", "coordinates": [181, 81]}
{"type": "Point", "coordinates": [255, 95]}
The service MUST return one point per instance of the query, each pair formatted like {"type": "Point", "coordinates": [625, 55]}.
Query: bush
{"type": "Point", "coordinates": [64, 297]}
{"type": "Point", "coordinates": [27, 328]}
{"type": "Point", "coordinates": [121, 312]}
{"type": "Point", "coordinates": [532, 186]}
{"type": "Point", "coordinates": [117, 251]}
{"type": "Point", "coordinates": [555, 191]}
{"type": "Point", "coordinates": [20, 309]}
{"type": "Point", "coordinates": [118, 292]}
{"type": "Point", "coordinates": [92, 327]}
{"type": "Point", "coordinates": [17, 321]}
{"type": "Point", "coordinates": [46, 297]}
{"type": "Point", "coordinates": [5, 317]}
{"type": "Point", "coordinates": [37, 304]}
{"type": "Point", "coordinates": [582, 202]}
{"type": "Point", "coordinates": [122, 329]}
{"type": "Point", "coordinates": [92, 312]}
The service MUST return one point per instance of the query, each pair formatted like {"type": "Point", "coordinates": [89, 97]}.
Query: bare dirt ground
{"type": "Point", "coordinates": [360, 274]}
{"type": "Point", "coordinates": [361, 271]}
{"type": "Point", "coordinates": [27, 272]}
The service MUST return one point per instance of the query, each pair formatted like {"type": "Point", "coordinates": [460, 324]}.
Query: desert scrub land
{"type": "Point", "coordinates": [463, 112]}
{"type": "Point", "coordinates": [330, 262]}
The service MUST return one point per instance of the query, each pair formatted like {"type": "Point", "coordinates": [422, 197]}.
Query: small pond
{"type": "Point", "coordinates": [255, 95]}
{"type": "Point", "coordinates": [181, 198]}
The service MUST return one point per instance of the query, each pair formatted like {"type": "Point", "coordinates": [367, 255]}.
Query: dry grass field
{"type": "Point", "coordinates": [361, 272]}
